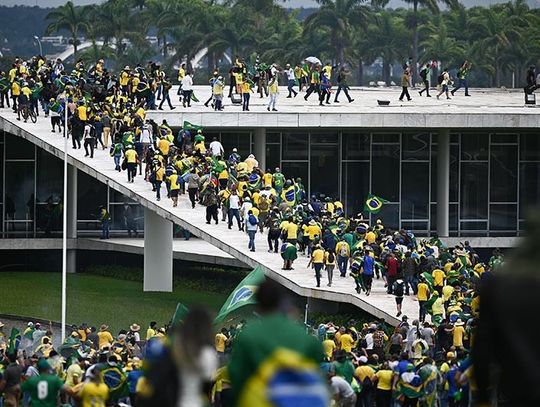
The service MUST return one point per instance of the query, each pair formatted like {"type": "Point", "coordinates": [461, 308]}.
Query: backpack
{"type": "Point", "coordinates": [343, 251]}
{"type": "Point", "coordinates": [331, 257]}
{"type": "Point", "coordinates": [263, 204]}
{"type": "Point", "coordinates": [440, 78]}
{"type": "Point", "coordinates": [423, 73]}
{"type": "Point", "coordinates": [252, 220]}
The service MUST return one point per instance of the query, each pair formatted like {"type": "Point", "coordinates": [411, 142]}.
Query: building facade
{"type": "Point", "coordinates": [494, 178]}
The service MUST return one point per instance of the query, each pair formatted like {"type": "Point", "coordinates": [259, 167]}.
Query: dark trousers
{"type": "Point", "coordinates": [364, 398]}
{"type": "Point", "coordinates": [390, 282]}
{"type": "Point", "coordinates": [462, 83]}
{"type": "Point", "coordinates": [290, 85]}
{"type": "Point", "coordinates": [187, 98]}
{"type": "Point", "coordinates": [4, 96]}
{"type": "Point", "coordinates": [212, 213]}
{"type": "Point", "coordinates": [314, 87]}
{"type": "Point", "coordinates": [383, 398]}
{"type": "Point", "coordinates": [131, 171]}
{"type": "Point", "coordinates": [75, 140]}
{"type": "Point", "coordinates": [273, 241]}
{"type": "Point", "coordinates": [89, 142]}
{"type": "Point", "coordinates": [105, 226]}
{"type": "Point", "coordinates": [408, 402]}
{"type": "Point", "coordinates": [342, 263]}
{"type": "Point", "coordinates": [422, 311]}
{"type": "Point", "coordinates": [192, 194]}
{"type": "Point", "coordinates": [318, 267]}
{"type": "Point", "coordinates": [251, 244]}
{"type": "Point", "coordinates": [245, 101]}
{"type": "Point", "coordinates": [426, 88]}
{"type": "Point", "coordinates": [405, 92]}
{"type": "Point", "coordinates": [345, 90]}
{"type": "Point", "coordinates": [157, 187]}
{"type": "Point", "coordinates": [234, 213]}
{"type": "Point", "coordinates": [167, 98]}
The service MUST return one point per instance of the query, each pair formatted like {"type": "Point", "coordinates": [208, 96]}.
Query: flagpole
{"type": "Point", "coordinates": [64, 224]}
{"type": "Point", "coordinates": [306, 313]}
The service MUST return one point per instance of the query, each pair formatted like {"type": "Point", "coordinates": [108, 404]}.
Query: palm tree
{"type": "Point", "coordinates": [339, 17]}
{"type": "Point", "coordinates": [433, 7]}
{"type": "Point", "coordinates": [70, 18]}
{"type": "Point", "coordinates": [439, 45]}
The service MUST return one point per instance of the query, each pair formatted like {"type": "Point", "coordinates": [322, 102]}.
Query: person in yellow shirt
{"type": "Point", "coordinates": [371, 237]}
{"type": "Point", "coordinates": [246, 91]}
{"type": "Point", "coordinates": [329, 347]}
{"type": "Point", "coordinates": [422, 296]}
{"type": "Point", "coordinates": [365, 376]}
{"type": "Point", "coordinates": [343, 252]}
{"type": "Point", "coordinates": [267, 178]}
{"type": "Point", "coordinates": [131, 157]}
{"type": "Point", "coordinates": [383, 390]}
{"type": "Point", "coordinates": [151, 331]}
{"type": "Point", "coordinates": [174, 187]}
{"type": "Point", "coordinates": [438, 280]}
{"type": "Point", "coordinates": [220, 342]}
{"type": "Point", "coordinates": [329, 264]}
{"type": "Point", "coordinates": [458, 334]}
{"type": "Point", "coordinates": [94, 393]}
{"type": "Point", "coordinates": [346, 342]}
{"type": "Point", "coordinates": [317, 261]}
{"type": "Point", "coordinates": [104, 336]}
{"type": "Point", "coordinates": [290, 229]}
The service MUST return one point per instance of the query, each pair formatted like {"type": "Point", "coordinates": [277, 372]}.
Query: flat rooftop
{"type": "Point", "coordinates": [485, 108]}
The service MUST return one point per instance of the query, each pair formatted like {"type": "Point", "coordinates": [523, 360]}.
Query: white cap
{"type": "Point", "coordinates": [363, 359]}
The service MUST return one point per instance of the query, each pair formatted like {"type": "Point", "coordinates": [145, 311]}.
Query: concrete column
{"type": "Point", "coordinates": [259, 138]}
{"type": "Point", "coordinates": [158, 252]}
{"type": "Point", "coordinates": [71, 265]}
{"type": "Point", "coordinates": [443, 182]}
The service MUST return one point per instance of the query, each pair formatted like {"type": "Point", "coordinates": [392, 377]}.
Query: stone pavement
{"type": "Point", "coordinates": [486, 108]}
{"type": "Point", "coordinates": [301, 280]}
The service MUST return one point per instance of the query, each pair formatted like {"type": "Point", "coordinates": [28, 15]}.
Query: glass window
{"type": "Point", "coordinates": [119, 220]}
{"type": "Point", "coordinates": [18, 148]}
{"type": "Point", "coordinates": [389, 215]}
{"type": "Point", "coordinates": [273, 137]}
{"type": "Point", "coordinates": [454, 173]}
{"type": "Point", "coordinates": [478, 226]}
{"type": "Point", "coordinates": [355, 146]}
{"type": "Point", "coordinates": [295, 146]}
{"type": "Point", "coordinates": [529, 187]}
{"type": "Point", "coordinates": [19, 198]}
{"type": "Point", "coordinates": [415, 226]}
{"type": "Point", "coordinates": [503, 217]}
{"type": "Point", "coordinates": [474, 146]}
{"type": "Point", "coordinates": [295, 170]}
{"type": "Point", "coordinates": [385, 172]}
{"type": "Point", "coordinates": [385, 137]}
{"type": "Point", "coordinates": [50, 177]}
{"type": "Point", "coordinates": [530, 146]}
{"type": "Point", "coordinates": [355, 186]}
{"type": "Point", "coordinates": [240, 140]}
{"type": "Point", "coordinates": [118, 197]}
{"type": "Point", "coordinates": [272, 156]}
{"type": "Point", "coordinates": [415, 146]}
{"type": "Point", "coordinates": [474, 190]}
{"type": "Point", "coordinates": [1, 171]}
{"type": "Point", "coordinates": [324, 170]}
{"type": "Point", "coordinates": [503, 173]}
{"type": "Point", "coordinates": [415, 190]}
{"type": "Point", "coordinates": [504, 138]}
{"type": "Point", "coordinates": [91, 194]}
{"type": "Point", "coordinates": [324, 138]}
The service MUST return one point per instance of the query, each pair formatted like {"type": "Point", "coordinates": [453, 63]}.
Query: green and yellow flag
{"type": "Point", "coordinates": [243, 294]}
{"type": "Point", "coordinates": [14, 341]}
{"type": "Point", "coordinates": [374, 203]}
{"type": "Point", "coordinates": [191, 127]}
{"type": "Point", "coordinates": [179, 314]}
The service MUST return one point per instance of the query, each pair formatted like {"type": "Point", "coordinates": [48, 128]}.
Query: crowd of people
{"type": "Point", "coordinates": [423, 362]}
{"type": "Point", "coordinates": [34, 85]}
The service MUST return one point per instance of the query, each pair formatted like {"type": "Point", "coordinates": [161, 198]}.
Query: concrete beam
{"type": "Point", "coordinates": [259, 138]}
{"type": "Point", "coordinates": [443, 182]}
{"type": "Point", "coordinates": [158, 249]}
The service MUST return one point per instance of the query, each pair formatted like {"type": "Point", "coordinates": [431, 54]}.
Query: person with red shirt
{"type": "Point", "coordinates": [392, 267]}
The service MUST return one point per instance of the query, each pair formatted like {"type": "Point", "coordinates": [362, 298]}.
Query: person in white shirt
{"type": "Point", "coordinates": [187, 89]}
{"type": "Point", "coordinates": [216, 147]}
{"type": "Point", "coordinates": [291, 80]}
{"type": "Point", "coordinates": [342, 392]}
{"type": "Point", "coordinates": [234, 209]}
{"type": "Point", "coordinates": [246, 207]}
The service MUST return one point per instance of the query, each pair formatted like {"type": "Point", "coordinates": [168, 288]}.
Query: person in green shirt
{"type": "Point", "coordinates": [314, 82]}
{"type": "Point", "coordinates": [44, 388]}
{"type": "Point", "coordinates": [266, 353]}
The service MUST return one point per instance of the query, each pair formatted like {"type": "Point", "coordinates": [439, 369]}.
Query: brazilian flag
{"type": "Point", "coordinates": [374, 203]}
{"type": "Point", "coordinates": [243, 294]}
{"type": "Point", "coordinates": [179, 314]}
{"type": "Point", "coordinates": [289, 195]}
{"type": "Point", "coordinates": [191, 127]}
{"type": "Point", "coordinates": [116, 380]}
{"type": "Point", "coordinates": [14, 341]}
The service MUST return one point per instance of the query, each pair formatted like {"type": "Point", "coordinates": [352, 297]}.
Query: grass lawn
{"type": "Point", "coordinates": [96, 299]}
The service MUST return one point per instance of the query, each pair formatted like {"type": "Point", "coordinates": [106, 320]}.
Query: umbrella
{"type": "Point", "coordinates": [313, 60]}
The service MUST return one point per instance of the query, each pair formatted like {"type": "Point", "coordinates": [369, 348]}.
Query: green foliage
{"type": "Point", "coordinates": [501, 40]}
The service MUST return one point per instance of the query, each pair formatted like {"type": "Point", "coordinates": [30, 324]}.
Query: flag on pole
{"type": "Point", "coordinates": [179, 314]}
{"type": "Point", "coordinates": [374, 203]}
{"type": "Point", "coordinates": [191, 127]}
{"type": "Point", "coordinates": [243, 294]}
{"type": "Point", "coordinates": [14, 341]}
